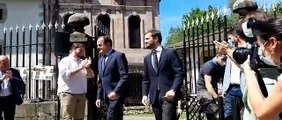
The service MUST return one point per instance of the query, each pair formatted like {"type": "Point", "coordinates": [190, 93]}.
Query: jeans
{"type": "Point", "coordinates": [233, 103]}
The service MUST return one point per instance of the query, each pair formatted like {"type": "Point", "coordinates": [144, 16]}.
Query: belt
{"type": "Point", "coordinates": [234, 85]}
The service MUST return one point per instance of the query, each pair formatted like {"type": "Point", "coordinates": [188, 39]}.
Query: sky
{"type": "Point", "coordinates": [171, 11]}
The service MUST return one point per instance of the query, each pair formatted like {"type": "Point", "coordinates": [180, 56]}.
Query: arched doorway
{"type": "Point", "coordinates": [134, 32]}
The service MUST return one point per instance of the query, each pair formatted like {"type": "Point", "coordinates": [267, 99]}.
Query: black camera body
{"type": "Point", "coordinates": [262, 70]}
{"type": "Point", "coordinates": [240, 55]}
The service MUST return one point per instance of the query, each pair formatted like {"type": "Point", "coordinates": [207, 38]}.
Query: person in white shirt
{"type": "Point", "coordinates": [72, 82]}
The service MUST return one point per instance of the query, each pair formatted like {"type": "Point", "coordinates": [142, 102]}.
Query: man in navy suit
{"type": "Point", "coordinates": [11, 87]}
{"type": "Point", "coordinates": [163, 77]}
{"type": "Point", "coordinates": [113, 74]}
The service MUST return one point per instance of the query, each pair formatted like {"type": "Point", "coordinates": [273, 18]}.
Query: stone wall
{"type": "Point", "coordinates": [37, 111]}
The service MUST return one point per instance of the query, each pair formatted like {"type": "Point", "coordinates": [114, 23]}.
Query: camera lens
{"type": "Point", "coordinates": [240, 55]}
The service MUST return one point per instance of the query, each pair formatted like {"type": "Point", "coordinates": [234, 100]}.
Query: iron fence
{"type": "Point", "coordinates": [196, 48]}
{"type": "Point", "coordinates": [28, 47]}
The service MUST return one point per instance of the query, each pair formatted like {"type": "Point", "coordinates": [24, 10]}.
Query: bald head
{"type": "Point", "coordinates": [4, 62]}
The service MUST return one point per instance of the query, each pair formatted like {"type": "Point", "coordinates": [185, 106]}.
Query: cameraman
{"type": "Point", "coordinates": [269, 36]}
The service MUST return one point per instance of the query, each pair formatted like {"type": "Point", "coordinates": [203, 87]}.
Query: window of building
{"type": "Point", "coordinates": [134, 32]}
{"type": "Point", "coordinates": [3, 12]}
{"type": "Point", "coordinates": [103, 23]}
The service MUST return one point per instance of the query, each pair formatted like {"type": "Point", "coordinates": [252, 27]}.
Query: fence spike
{"type": "Point", "coordinates": [188, 24]}
{"type": "Point", "coordinates": [207, 17]}
{"type": "Point", "coordinates": [50, 25]}
{"type": "Point", "coordinates": [273, 7]}
{"type": "Point", "coordinates": [225, 11]}
{"type": "Point", "coordinates": [43, 26]}
{"type": "Point", "coordinates": [212, 16]}
{"type": "Point", "coordinates": [17, 28]}
{"type": "Point", "coordinates": [202, 20]}
{"type": "Point", "coordinates": [23, 27]}
{"type": "Point", "coordinates": [11, 28]}
{"type": "Point", "coordinates": [37, 26]}
{"type": "Point", "coordinates": [30, 27]}
{"type": "Point", "coordinates": [218, 12]}
{"type": "Point", "coordinates": [5, 29]}
{"type": "Point", "coordinates": [192, 23]}
{"type": "Point", "coordinates": [197, 21]}
{"type": "Point", "coordinates": [63, 25]}
{"type": "Point", "coordinates": [56, 25]}
{"type": "Point", "coordinates": [184, 25]}
{"type": "Point", "coordinates": [264, 6]}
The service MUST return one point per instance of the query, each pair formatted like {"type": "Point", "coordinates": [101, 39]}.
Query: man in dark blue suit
{"type": "Point", "coordinates": [11, 84]}
{"type": "Point", "coordinates": [163, 77]}
{"type": "Point", "coordinates": [113, 74]}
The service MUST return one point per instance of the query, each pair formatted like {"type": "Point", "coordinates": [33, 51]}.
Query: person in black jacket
{"type": "Point", "coordinates": [11, 84]}
{"type": "Point", "coordinates": [163, 77]}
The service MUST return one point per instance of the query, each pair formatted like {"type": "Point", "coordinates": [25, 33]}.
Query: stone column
{"type": "Point", "coordinates": [112, 31]}
{"type": "Point", "coordinates": [142, 32]}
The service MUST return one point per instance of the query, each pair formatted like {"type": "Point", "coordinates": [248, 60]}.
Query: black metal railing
{"type": "Point", "coordinates": [196, 48]}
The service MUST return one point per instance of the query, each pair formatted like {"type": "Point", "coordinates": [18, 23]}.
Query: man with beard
{"type": "Point", "coordinates": [72, 82]}
{"type": "Point", "coordinates": [163, 77]}
{"type": "Point", "coordinates": [113, 74]}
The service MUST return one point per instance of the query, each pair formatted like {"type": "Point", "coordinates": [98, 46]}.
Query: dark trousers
{"type": "Point", "coordinates": [233, 103]}
{"type": "Point", "coordinates": [163, 109]}
{"type": "Point", "coordinates": [115, 110]}
{"type": "Point", "coordinates": [8, 107]}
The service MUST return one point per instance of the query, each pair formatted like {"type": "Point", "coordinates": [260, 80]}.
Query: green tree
{"type": "Point", "coordinates": [195, 16]}
{"type": "Point", "coordinates": [276, 10]}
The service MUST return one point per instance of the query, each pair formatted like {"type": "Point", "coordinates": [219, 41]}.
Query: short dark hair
{"type": "Point", "coordinates": [156, 34]}
{"type": "Point", "coordinates": [76, 45]}
{"type": "Point", "coordinates": [237, 30]}
{"type": "Point", "coordinates": [270, 28]}
{"type": "Point", "coordinates": [107, 40]}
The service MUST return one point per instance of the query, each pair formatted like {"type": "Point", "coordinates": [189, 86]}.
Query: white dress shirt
{"type": "Point", "coordinates": [76, 83]}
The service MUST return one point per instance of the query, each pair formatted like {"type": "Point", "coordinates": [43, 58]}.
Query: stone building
{"type": "Point", "coordinates": [126, 21]}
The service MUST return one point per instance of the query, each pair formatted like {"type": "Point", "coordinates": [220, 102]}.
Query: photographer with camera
{"type": "Point", "coordinates": [269, 36]}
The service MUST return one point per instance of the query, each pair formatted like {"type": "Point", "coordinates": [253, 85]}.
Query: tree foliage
{"type": "Point", "coordinates": [276, 10]}
{"type": "Point", "coordinates": [196, 15]}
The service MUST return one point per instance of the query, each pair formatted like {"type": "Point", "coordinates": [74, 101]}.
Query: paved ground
{"type": "Point", "coordinates": [145, 117]}
{"type": "Point", "coordinates": [138, 118]}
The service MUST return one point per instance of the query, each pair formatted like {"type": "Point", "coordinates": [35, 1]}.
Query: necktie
{"type": "Point", "coordinates": [155, 60]}
{"type": "Point", "coordinates": [104, 62]}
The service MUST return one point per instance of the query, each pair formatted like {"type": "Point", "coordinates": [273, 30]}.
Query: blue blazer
{"type": "Point", "coordinates": [114, 76]}
{"type": "Point", "coordinates": [169, 75]}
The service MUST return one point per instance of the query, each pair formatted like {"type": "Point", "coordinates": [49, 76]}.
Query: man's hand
{"type": "Point", "coordinates": [9, 74]}
{"type": "Point", "coordinates": [222, 94]}
{"type": "Point", "coordinates": [222, 47]}
{"type": "Point", "coordinates": [170, 95]}
{"type": "Point", "coordinates": [113, 96]}
{"type": "Point", "coordinates": [98, 103]}
{"type": "Point", "coordinates": [89, 62]}
{"type": "Point", "coordinates": [145, 101]}
{"type": "Point", "coordinates": [90, 73]}
{"type": "Point", "coordinates": [85, 63]}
